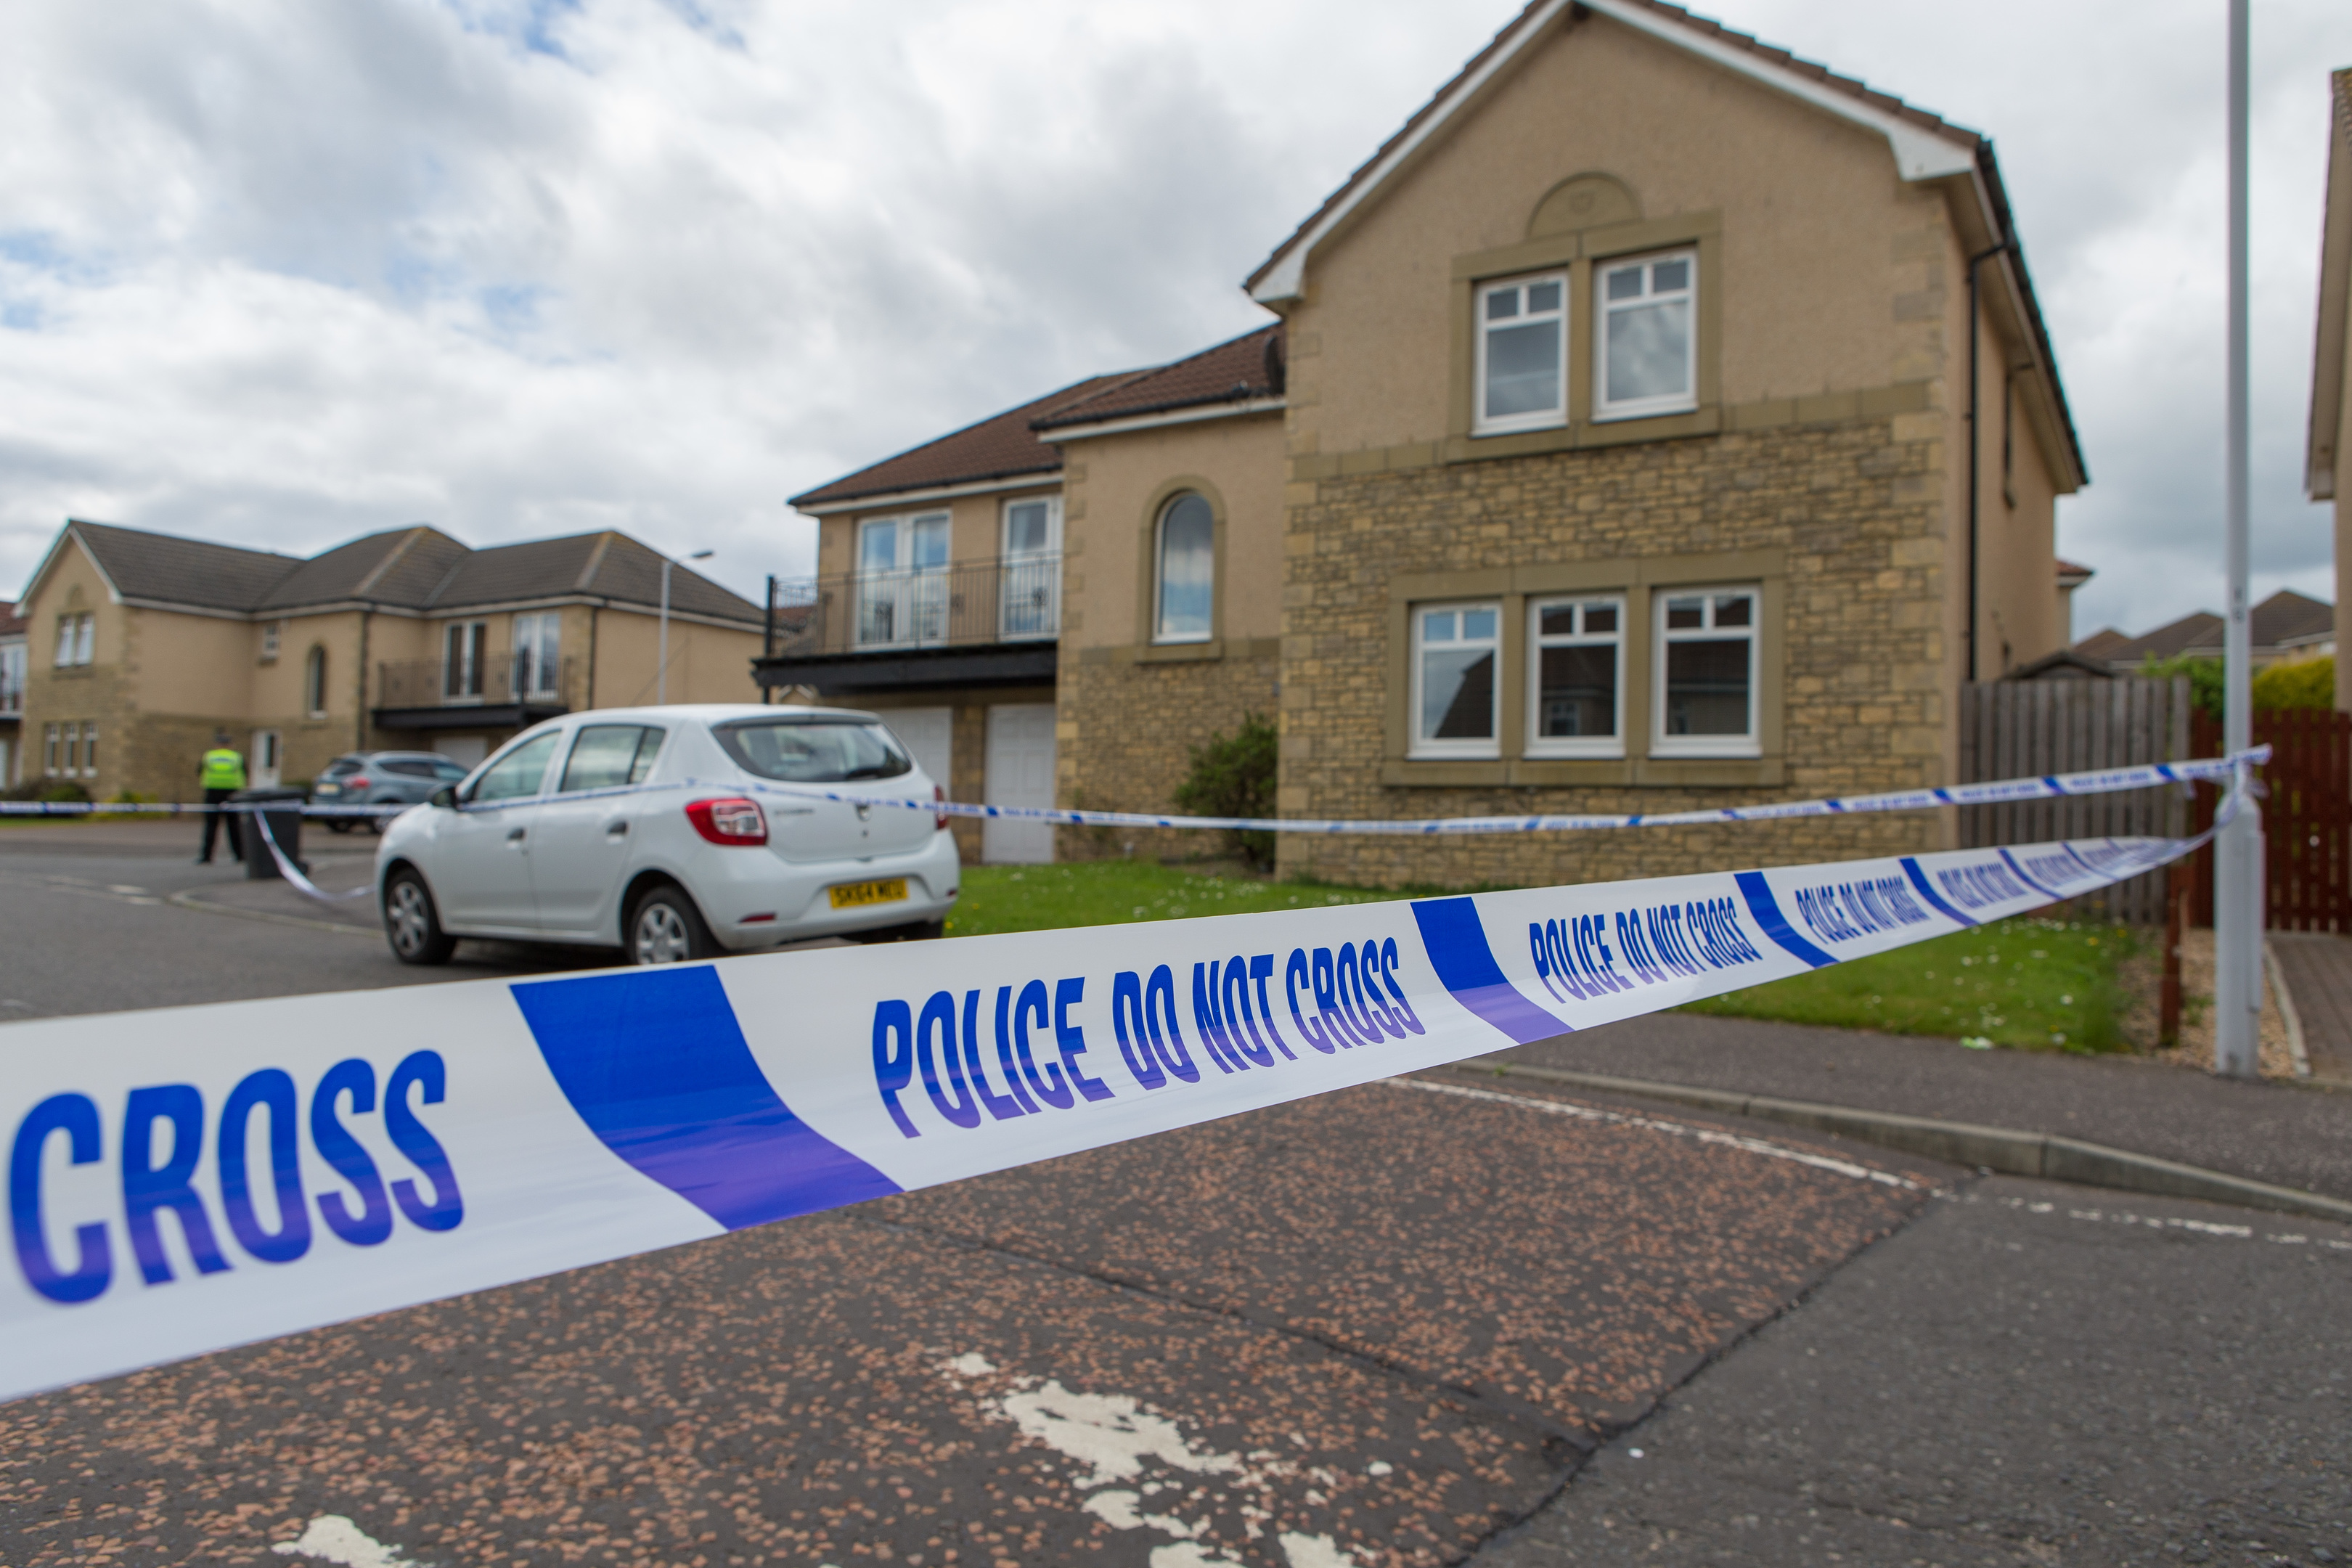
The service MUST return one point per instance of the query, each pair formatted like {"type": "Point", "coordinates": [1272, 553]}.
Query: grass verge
{"type": "Point", "coordinates": [2045, 984]}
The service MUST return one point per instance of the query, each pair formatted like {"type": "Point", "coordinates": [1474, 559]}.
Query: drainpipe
{"type": "Point", "coordinates": [592, 611]}
{"type": "Point", "coordinates": [1976, 479]}
{"type": "Point", "coordinates": [359, 724]}
{"type": "Point", "coordinates": [767, 643]}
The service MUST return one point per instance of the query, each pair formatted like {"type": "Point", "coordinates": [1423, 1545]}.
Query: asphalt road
{"type": "Point", "coordinates": [1401, 1325]}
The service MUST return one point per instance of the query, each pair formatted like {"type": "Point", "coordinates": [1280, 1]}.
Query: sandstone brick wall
{"type": "Point", "coordinates": [1854, 505]}
{"type": "Point", "coordinates": [1124, 730]}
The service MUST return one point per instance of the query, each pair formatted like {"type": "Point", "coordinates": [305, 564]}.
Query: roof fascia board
{"type": "Point", "coordinates": [2328, 344]}
{"type": "Point", "coordinates": [1042, 479]}
{"type": "Point", "coordinates": [1172, 416]}
{"type": "Point", "coordinates": [1919, 153]}
{"type": "Point", "coordinates": [57, 547]}
{"type": "Point", "coordinates": [599, 601]}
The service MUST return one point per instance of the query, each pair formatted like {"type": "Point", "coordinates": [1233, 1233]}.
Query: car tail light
{"type": "Point", "coordinates": [355, 782]}
{"type": "Point", "coordinates": [732, 820]}
{"type": "Point", "coordinates": [939, 822]}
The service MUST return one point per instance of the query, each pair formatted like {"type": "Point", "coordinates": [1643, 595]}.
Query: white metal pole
{"type": "Point", "coordinates": [2237, 854]}
{"type": "Point", "coordinates": [661, 660]}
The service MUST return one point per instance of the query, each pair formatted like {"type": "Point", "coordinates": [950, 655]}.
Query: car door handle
{"type": "Point", "coordinates": [615, 828]}
{"type": "Point", "coordinates": [515, 836]}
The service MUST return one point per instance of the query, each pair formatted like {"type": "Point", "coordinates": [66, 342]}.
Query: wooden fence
{"type": "Point", "coordinates": [2306, 818]}
{"type": "Point", "coordinates": [2019, 729]}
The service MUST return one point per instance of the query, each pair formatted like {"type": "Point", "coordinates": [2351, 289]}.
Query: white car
{"type": "Point", "coordinates": [674, 833]}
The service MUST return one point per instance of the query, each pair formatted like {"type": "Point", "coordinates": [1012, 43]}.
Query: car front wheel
{"type": "Point", "coordinates": [412, 924]}
{"type": "Point", "coordinates": [666, 928]}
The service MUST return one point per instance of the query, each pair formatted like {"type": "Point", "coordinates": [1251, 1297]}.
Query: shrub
{"type": "Point", "coordinates": [47, 789]}
{"type": "Point", "coordinates": [2305, 683]}
{"type": "Point", "coordinates": [2204, 678]}
{"type": "Point", "coordinates": [1234, 776]}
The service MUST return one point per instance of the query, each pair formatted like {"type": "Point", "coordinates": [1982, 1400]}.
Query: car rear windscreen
{"type": "Point", "coordinates": [819, 753]}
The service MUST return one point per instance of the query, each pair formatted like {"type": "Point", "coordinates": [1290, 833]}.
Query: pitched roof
{"type": "Point", "coordinates": [2286, 619]}
{"type": "Point", "coordinates": [1243, 369]}
{"type": "Point", "coordinates": [143, 565]}
{"type": "Point", "coordinates": [2071, 575]}
{"type": "Point", "coordinates": [1000, 447]}
{"type": "Point", "coordinates": [416, 568]}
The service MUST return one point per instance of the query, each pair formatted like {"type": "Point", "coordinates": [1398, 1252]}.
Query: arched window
{"type": "Point", "coordinates": [314, 683]}
{"type": "Point", "coordinates": [1186, 574]}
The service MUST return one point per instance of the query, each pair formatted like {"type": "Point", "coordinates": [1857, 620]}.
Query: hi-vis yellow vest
{"type": "Point", "coordinates": [224, 769]}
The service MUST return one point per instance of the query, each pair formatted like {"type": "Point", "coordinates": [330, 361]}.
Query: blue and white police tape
{"type": "Point", "coordinates": [192, 1179]}
{"type": "Point", "coordinates": [2050, 786]}
{"type": "Point", "coordinates": [189, 808]}
{"type": "Point", "coordinates": [295, 876]}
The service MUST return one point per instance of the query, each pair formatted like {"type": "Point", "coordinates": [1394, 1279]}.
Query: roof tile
{"type": "Point", "coordinates": [1002, 445]}
{"type": "Point", "coordinates": [1249, 366]}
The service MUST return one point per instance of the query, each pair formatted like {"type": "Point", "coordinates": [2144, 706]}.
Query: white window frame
{"type": "Point", "coordinates": [1160, 635]}
{"type": "Point", "coordinates": [1642, 407]}
{"type": "Point", "coordinates": [314, 681]}
{"type": "Point", "coordinates": [49, 751]}
{"type": "Point", "coordinates": [12, 679]}
{"type": "Point", "coordinates": [917, 594]}
{"type": "Point", "coordinates": [462, 679]}
{"type": "Point", "coordinates": [1022, 573]}
{"type": "Point", "coordinates": [1663, 744]}
{"type": "Point", "coordinates": [86, 639]}
{"type": "Point", "coordinates": [73, 751]}
{"type": "Point", "coordinates": [1489, 746]}
{"type": "Point", "coordinates": [537, 635]}
{"type": "Point", "coordinates": [1481, 423]}
{"type": "Point", "coordinates": [76, 638]}
{"type": "Point", "coordinates": [1537, 743]}
{"type": "Point", "coordinates": [270, 632]}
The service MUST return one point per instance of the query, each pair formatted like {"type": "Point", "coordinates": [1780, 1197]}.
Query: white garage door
{"type": "Point", "coordinates": [1020, 773]}
{"type": "Point", "coordinates": [929, 737]}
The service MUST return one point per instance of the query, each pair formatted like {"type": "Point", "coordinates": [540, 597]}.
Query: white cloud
{"type": "Point", "coordinates": [280, 273]}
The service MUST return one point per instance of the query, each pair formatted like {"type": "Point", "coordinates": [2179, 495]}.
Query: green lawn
{"type": "Point", "coordinates": [1117, 892]}
{"type": "Point", "coordinates": [2040, 983]}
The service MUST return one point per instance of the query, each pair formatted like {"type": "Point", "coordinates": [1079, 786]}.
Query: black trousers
{"type": "Point", "coordinates": [213, 818]}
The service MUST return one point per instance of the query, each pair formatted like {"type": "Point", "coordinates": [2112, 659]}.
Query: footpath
{"type": "Point", "coordinates": [2286, 1135]}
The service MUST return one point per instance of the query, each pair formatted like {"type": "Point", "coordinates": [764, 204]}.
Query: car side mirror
{"type": "Point", "coordinates": [445, 798]}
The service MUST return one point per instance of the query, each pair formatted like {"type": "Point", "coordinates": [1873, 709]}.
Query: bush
{"type": "Point", "coordinates": [2305, 683]}
{"type": "Point", "coordinates": [1234, 776]}
{"type": "Point", "coordinates": [47, 789]}
{"type": "Point", "coordinates": [2204, 675]}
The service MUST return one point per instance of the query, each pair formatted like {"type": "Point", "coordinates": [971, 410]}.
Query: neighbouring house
{"type": "Point", "coordinates": [11, 694]}
{"type": "Point", "coordinates": [1655, 420]}
{"type": "Point", "coordinates": [2331, 370]}
{"type": "Point", "coordinates": [2286, 626]}
{"type": "Point", "coordinates": [147, 643]}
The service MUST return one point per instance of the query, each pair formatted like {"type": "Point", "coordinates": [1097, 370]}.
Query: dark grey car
{"type": "Point", "coordinates": [381, 778]}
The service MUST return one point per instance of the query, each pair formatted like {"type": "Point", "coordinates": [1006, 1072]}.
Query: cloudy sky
{"type": "Point", "coordinates": [279, 273]}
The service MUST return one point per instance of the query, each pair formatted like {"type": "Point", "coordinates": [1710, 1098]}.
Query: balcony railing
{"type": "Point", "coordinates": [1013, 599]}
{"type": "Point", "coordinates": [497, 682]}
{"type": "Point", "coordinates": [11, 699]}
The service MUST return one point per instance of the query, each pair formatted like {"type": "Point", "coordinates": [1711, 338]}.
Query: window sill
{"type": "Point", "coordinates": [1620, 415]}
{"type": "Point", "coordinates": [1518, 428]}
{"type": "Point", "coordinates": [1703, 420]}
{"type": "Point", "coordinates": [1595, 773]}
{"type": "Point", "coordinates": [1180, 652]}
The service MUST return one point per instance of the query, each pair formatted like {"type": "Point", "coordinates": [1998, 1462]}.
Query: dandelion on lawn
{"type": "Point", "coordinates": [1335, 898]}
{"type": "Point", "coordinates": [2065, 1001]}
{"type": "Point", "coordinates": [1138, 914]}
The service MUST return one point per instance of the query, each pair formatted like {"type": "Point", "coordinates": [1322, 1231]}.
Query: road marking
{"type": "Point", "coordinates": [1114, 1434]}
{"type": "Point", "coordinates": [331, 1538]}
{"type": "Point", "coordinates": [2170, 1222]}
{"type": "Point", "coordinates": [1674, 1128]}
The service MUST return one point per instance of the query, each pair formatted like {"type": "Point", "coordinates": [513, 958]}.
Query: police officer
{"type": "Point", "coordinates": [223, 775]}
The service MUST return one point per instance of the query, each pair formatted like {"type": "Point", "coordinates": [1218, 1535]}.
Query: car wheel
{"type": "Point", "coordinates": [913, 930]}
{"type": "Point", "coordinates": [666, 928]}
{"type": "Point", "coordinates": [412, 924]}
{"type": "Point", "coordinates": [374, 825]}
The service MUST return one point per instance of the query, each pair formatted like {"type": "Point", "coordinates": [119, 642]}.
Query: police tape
{"type": "Point", "coordinates": [2048, 787]}
{"type": "Point", "coordinates": [192, 1179]}
{"type": "Point", "coordinates": [296, 877]}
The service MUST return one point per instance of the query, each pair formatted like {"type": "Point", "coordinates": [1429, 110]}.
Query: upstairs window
{"type": "Point", "coordinates": [1576, 689]}
{"type": "Point", "coordinates": [76, 639]}
{"type": "Point", "coordinates": [1522, 372]}
{"type": "Point", "coordinates": [1646, 336]}
{"type": "Point", "coordinates": [462, 645]}
{"type": "Point", "coordinates": [314, 683]}
{"type": "Point", "coordinates": [1186, 577]}
{"type": "Point", "coordinates": [1454, 692]}
{"type": "Point", "coordinates": [537, 643]}
{"type": "Point", "coordinates": [1706, 674]}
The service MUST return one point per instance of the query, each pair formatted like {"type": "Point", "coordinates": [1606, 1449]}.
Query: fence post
{"type": "Point", "coordinates": [2176, 889]}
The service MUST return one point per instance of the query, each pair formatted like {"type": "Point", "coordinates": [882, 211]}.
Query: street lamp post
{"type": "Point", "coordinates": [661, 662]}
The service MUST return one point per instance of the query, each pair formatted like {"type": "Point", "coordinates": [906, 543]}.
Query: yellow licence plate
{"type": "Point", "coordinates": [851, 895]}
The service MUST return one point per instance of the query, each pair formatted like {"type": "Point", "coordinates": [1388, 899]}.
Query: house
{"type": "Point", "coordinates": [12, 693]}
{"type": "Point", "coordinates": [1655, 421]}
{"type": "Point", "coordinates": [2331, 371]}
{"type": "Point", "coordinates": [148, 643]}
{"type": "Point", "coordinates": [2286, 626]}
